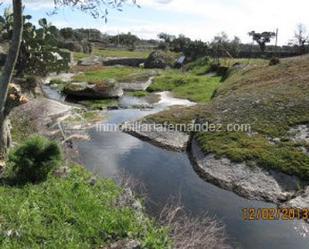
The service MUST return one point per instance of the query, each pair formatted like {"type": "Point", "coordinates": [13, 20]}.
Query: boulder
{"type": "Point", "coordinates": [159, 59]}
{"type": "Point", "coordinates": [125, 244]}
{"type": "Point", "coordinates": [131, 62]}
{"type": "Point", "coordinates": [93, 91]}
{"type": "Point", "coordinates": [251, 182]}
{"type": "Point", "coordinates": [91, 61]}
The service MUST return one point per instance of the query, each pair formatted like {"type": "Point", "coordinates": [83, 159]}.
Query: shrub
{"type": "Point", "coordinates": [274, 61]}
{"type": "Point", "coordinates": [34, 160]}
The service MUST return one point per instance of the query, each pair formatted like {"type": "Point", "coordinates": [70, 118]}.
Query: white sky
{"type": "Point", "coordinates": [199, 19]}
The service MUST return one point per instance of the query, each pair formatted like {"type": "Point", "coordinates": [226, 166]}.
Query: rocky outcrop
{"type": "Point", "coordinates": [159, 59]}
{"type": "Point", "coordinates": [300, 134]}
{"type": "Point", "coordinates": [154, 134]}
{"type": "Point", "coordinates": [131, 62]}
{"type": "Point", "coordinates": [136, 86]}
{"type": "Point", "coordinates": [301, 201]}
{"type": "Point", "coordinates": [93, 91]}
{"type": "Point", "coordinates": [125, 244]}
{"type": "Point", "coordinates": [91, 61]}
{"type": "Point", "coordinates": [248, 181]}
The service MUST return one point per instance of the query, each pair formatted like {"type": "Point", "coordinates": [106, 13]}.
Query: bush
{"type": "Point", "coordinates": [34, 160]}
{"type": "Point", "coordinates": [274, 61]}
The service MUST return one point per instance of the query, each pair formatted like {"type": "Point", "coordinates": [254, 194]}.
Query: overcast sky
{"type": "Point", "coordinates": [198, 19]}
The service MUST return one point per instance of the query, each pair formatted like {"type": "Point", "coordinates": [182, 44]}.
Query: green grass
{"type": "Point", "coordinates": [186, 85]}
{"type": "Point", "coordinates": [122, 53]}
{"type": "Point", "coordinates": [59, 84]}
{"type": "Point", "coordinates": [239, 147]}
{"type": "Point", "coordinates": [99, 104]}
{"type": "Point", "coordinates": [120, 74]}
{"type": "Point", "coordinates": [70, 213]}
{"type": "Point", "coordinates": [115, 53]}
{"type": "Point", "coordinates": [139, 94]}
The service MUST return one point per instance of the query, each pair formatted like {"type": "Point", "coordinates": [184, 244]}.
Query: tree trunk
{"type": "Point", "coordinates": [7, 74]}
{"type": "Point", "coordinates": [5, 136]}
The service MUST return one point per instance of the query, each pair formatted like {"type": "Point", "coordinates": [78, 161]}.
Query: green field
{"type": "Point", "coordinates": [115, 53]}
{"type": "Point", "coordinates": [120, 74]}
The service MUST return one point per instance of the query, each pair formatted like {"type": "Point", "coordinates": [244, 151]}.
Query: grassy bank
{"type": "Point", "coordinates": [72, 213]}
{"type": "Point", "coordinates": [186, 85]}
{"type": "Point", "coordinates": [271, 100]}
{"type": "Point", "coordinates": [120, 74]}
{"type": "Point", "coordinates": [115, 53]}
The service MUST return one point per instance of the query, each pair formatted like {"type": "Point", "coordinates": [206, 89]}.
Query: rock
{"type": "Point", "coordinates": [65, 77]}
{"type": "Point", "coordinates": [125, 244]}
{"type": "Point", "coordinates": [131, 62]}
{"type": "Point", "coordinates": [153, 133]}
{"type": "Point", "coordinates": [62, 172]}
{"type": "Point", "coordinates": [301, 201]}
{"type": "Point", "coordinates": [159, 59]}
{"type": "Point", "coordinates": [93, 91]}
{"type": "Point", "coordinates": [45, 113]}
{"type": "Point", "coordinates": [136, 86]}
{"type": "Point", "coordinates": [93, 181]}
{"type": "Point", "coordinates": [299, 133]}
{"type": "Point", "coordinates": [250, 182]}
{"type": "Point", "coordinates": [91, 61]}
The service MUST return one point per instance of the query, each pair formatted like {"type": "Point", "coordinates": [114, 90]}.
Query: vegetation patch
{"type": "Point", "coordinates": [58, 84]}
{"type": "Point", "coordinates": [139, 94]}
{"type": "Point", "coordinates": [22, 127]}
{"type": "Point", "coordinates": [114, 53]}
{"type": "Point", "coordinates": [186, 85]}
{"type": "Point", "coordinates": [120, 74]}
{"type": "Point", "coordinates": [72, 213]}
{"type": "Point", "coordinates": [99, 104]}
{"type": "Point", "coordinates": [34, 160]}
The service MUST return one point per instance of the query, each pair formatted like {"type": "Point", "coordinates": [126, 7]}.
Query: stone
{"type": "Point", "coordinates": [93, 91]}
{"type": "Point", "coordinates": [301, 201]}
{"type": "Point", "coordinates": [136, 86]}
{"type": "Point", "coordinates": [251, 182]}
{"type": "Point", "coordinates": [125, 244]}
{"type": "Point", "coordinates": [130, 62]}
{"type": "Point", "coordinates": [91, 61]}
{"type": "Point", "coordinates": [167, 139]}
{"type": "Point", "coordinates": [159, 59]}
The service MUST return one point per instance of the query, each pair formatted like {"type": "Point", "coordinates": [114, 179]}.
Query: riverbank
{"type": "Point", "coordinates": [268, 161]}
{"type": "Point", "coordinates": [90, 211]}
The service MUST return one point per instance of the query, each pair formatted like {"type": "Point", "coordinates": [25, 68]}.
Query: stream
{"type": "Point", "coordinates": [166, 175]}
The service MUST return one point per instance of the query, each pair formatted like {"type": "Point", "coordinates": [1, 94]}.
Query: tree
{"type": "Point", "coordinates": [195, 50]}
{"type": "Point", "coordinates": [301, 37]}
{"type": "Point", "coordinates": [222, 46]}
{"type": "Point", "coordinates": [96, 8]}
{"type": "Point", "coordinates": [166, 37]}
{"type": "Point", "coordinates": [262, 38]}
{"type": "Point", "coordinates": [128, 40]}
{"type": "Point", "coordinates": [179, 43]}
{"type": "Point", "coordinates": [7, 74]}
